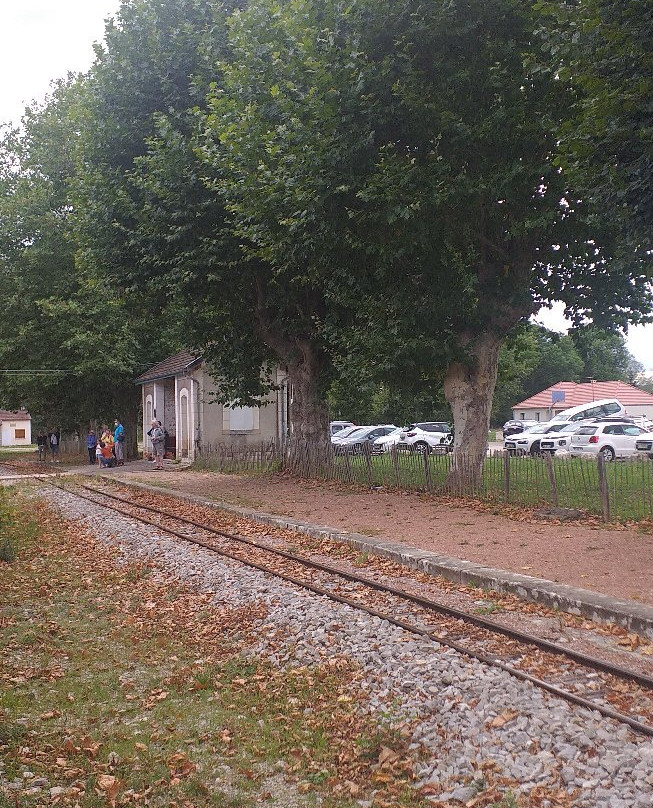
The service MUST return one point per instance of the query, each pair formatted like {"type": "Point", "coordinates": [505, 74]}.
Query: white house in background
{"type": "Point", "coordinates": [179, 391]}
{"type": "Point", "coordinates": [15, 428]}
{"type": "Point", "coordinates": [543, 406]}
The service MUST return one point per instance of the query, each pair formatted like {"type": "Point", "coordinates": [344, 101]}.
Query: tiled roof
{"type": "Point", "coordinates": [576, 394]}
{"type": "Point", "coordinates": [15, 415]}
{"type": "Point", "coordinates": [169, 367]}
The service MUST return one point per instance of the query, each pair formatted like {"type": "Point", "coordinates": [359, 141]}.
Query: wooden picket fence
{"type": "Point", "coordinates": [621, 490]}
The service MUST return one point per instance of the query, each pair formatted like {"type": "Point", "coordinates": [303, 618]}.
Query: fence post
{"type": "Point", "coordinates": [428, 481]}
{"type": "Point", "coordinates": [548, 463]}
{"type": "Point", "coordinates": [367, 451]}
{"type": "Point", "coordinates": [395, 465]}
{"type": "Point", "coordinates": [506, 476]}
{"type": "Point", "coordinates": [603, 487]}
{"type": "Point", "coordinates": [348, 473]}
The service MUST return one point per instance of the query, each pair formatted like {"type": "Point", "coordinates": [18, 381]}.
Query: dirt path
{"type": "Point", "coordinates": [615, 561]}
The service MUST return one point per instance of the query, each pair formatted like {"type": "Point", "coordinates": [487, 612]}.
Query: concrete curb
{"type": "Point", "coordinates": [633, 616]}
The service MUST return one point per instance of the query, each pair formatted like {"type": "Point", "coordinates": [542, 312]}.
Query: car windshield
{"type": "Point", "coordinates": [395, 431]}
{"type": "Point", "coordinates": [536, 428]}
{"type": "Point", "coordinates": [632, 430]}
{"type": "Point", "coordinates": [569, 428]}
{"type": "Point", "coordinates": [358, 432]}
{"type": "Point", "coordinates": [344, 433]}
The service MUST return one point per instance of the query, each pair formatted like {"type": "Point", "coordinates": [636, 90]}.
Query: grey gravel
{"type": "Point", "coordinates": [454, 699]}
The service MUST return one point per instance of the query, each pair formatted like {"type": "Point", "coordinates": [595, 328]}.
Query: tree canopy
{"type": "Point", "coordinates": [373, 194]}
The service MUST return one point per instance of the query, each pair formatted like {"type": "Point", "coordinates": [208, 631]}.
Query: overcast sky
{"type": "Point", "coordinates": [42, 40]}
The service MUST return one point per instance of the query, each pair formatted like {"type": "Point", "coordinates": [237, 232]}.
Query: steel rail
{"type": "Point", "coordinates": [638, 726]}
{"type": "Point", "coordinates": [450, 611]}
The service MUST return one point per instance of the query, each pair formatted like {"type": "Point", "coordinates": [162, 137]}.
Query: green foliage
{"type": "Point", "coordinates": [534, 358]}
{"type": "Point", "coordinates": [603, 49]}
{"type": "Point", "coordinates": [55, 315]}
{"type": "Point", "coordinates": [605, 355]}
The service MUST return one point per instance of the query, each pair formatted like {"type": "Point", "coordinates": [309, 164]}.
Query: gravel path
{"type": "Point", "coordinates": [462, 707]}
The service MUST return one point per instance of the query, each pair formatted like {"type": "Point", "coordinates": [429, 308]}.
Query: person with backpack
{"type": "Point", "coordinates": [157, 435]}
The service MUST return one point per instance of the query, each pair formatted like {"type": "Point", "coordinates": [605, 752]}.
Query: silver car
{"type": "Point", "coordinates": [357, 440]}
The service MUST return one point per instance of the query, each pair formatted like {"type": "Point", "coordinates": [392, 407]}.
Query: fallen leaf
{"type": "Point", "coordinates": [504, 718]}
{"type": "Point", "coordinates": [387, 755]}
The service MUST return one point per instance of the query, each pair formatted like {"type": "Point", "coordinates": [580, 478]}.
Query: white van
{"type": "Point", "coordinates": [604, 408]}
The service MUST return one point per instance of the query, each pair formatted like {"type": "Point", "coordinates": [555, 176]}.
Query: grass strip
{"type": "Point", "coordinates": [120, 686]}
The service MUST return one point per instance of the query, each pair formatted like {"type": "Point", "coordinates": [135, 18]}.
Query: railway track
{"type": "Point", "coordinates": [614, 692]}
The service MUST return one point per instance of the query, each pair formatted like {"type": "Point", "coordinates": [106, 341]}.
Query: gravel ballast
{"type": "Point", "coordinates": [462, 708]}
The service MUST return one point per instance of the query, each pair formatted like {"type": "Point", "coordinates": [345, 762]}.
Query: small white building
{"type": "Point", "coordinates": [543, 406]}
{"type": "Point", "coordinates": [15, 428]}
{"type": "Point", "coordinates": [179, 392]}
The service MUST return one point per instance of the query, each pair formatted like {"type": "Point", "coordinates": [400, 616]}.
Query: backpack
{"type": "Point", "coordinates": [158, 433]}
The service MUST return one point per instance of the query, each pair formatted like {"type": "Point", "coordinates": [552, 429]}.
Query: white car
{"type": "Point", "coordinates": [603, 408]}
{"type": "Point", "coordinates": [386, 442]}
{"type": "Point", "coordinates": [528, 441]}
{"type": "Point", "coordinates": [645, 444]}
{"type": "Point", "coordinates": [559, 441]}
{"type": "Point", "coordinates": [425, 436]}
{"type": "Point", "coordinates": [607, 438]}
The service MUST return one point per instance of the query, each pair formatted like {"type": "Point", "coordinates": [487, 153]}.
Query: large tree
{"type": "Point", "coordinates": [155, 217]}
{"type": "Point", "coordinates": [401, 158]}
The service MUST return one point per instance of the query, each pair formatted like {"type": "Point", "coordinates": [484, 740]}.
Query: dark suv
{"type": "Point", "coordinates": [513, 427]}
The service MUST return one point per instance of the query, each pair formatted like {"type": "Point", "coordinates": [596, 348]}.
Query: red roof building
{"type": "Point", "coordinates": [562, 396]}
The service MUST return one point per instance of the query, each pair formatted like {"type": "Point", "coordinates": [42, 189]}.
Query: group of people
{"type": "Point", "coordinates": [48, 443]}
{"type": "Point", "coordinates": [108, 450]}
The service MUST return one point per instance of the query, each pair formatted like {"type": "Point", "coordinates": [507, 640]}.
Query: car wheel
{"type": "Point", "coordinates": [535, 449]}
{"type": "Point", "coordinates": [422, 447]}
{"type": "Point", "coordinates": [608, 453]}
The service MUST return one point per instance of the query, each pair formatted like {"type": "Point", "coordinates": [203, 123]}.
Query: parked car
{"type": "Point", "coordinates": [528, 441]}
{"type": "Point", "coordinates": [607, 438]}
{"type": "Point", "coordinates": [604, 407]}
{"type": "Point", "coordinates": [386, 442]}
{"type": "Point", "coordinates": [559, 441]}
{"type": "Point", "coordinates": [337, 426]}
{"type": "Point", "coordinates": [645, 444]}
{"type": "Point", "coordinates": [362, 436]}
{"type": "Point", "coordinates": [343, 433]}
{"type": "Point", "coordinates": [513, 427]}
{"type": "Point", "coordinates": [425, 436]}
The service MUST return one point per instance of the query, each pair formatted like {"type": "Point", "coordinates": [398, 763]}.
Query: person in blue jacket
{"type": "Point", "coordinates": [119, 442]}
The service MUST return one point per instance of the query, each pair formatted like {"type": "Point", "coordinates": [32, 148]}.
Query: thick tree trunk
{"type": "Point", "coordinates": [469, 388]}
{"type": "Point", "coordinates": [308, 413]}
{"type": "Point", "coordinates": [306, 362]}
